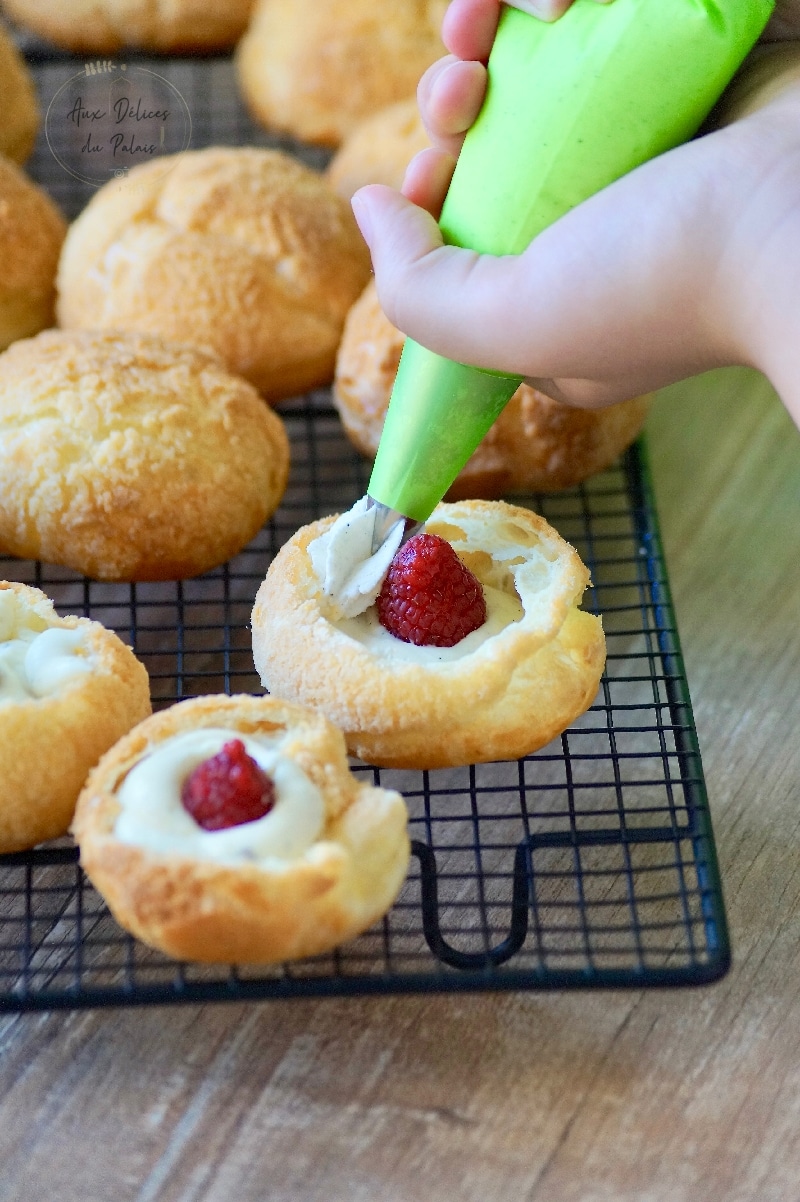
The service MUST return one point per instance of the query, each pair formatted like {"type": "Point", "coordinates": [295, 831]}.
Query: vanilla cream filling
{"type": "Point", "coordinates": [39, 663]}
{"type": "Point", "coordinates": [152, 814]}
{"type": "Point", "coordinates": [351, 576]}
{"type": "Point", "coordinates": [501, 610]}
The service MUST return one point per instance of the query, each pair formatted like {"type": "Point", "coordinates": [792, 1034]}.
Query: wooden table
{"type": "Point", "coordinates": [628, 1097]}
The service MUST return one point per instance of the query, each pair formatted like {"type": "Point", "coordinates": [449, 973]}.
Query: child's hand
{"type": "Point", "coordinates": [670, 271]}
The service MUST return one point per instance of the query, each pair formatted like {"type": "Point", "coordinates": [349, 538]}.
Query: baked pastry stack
{"type": "Point", "coordinates": [69, 689]}
{"type": "Point", "coordinates": [322, 864]}
{"type": "Point", "coordinates": [536, 445]}
{"type": "Point", "coordinates": [315, 70]}
{"type": "Point", "coordinates": [106, 26]}
{"type": "Point", "coordinates": [127, 458]}
{"type": "Point", "coordinates": [243, 251]}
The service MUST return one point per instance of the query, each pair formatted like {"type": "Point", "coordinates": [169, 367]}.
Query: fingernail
{"type": "Point", "coordinates": [362, 213]}
{"type": "Point", "coordinates": [546, 10]}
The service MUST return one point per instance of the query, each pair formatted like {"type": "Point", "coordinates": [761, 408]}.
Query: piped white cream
{"type": "Point", "coordinates": [501, 610]}
{"type": "Point", "coordinates": [342, 558]}
{"type": "Point", "coordinates": [152, 814]}
{"type": "Point", "coordinates": [36, 663]}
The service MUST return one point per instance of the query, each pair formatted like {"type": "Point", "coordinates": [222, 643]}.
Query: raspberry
{"type": "Point", "coordinates": [429, 597]}
{"type": "Point", "coordinates": [227, 789]}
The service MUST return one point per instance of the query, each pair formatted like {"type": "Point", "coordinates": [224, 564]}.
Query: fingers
{"type": "Point", "coordinates": [450, 95]}
{"type": "Point", "coordinates": [620, 296]}
{"type": "Point", "coordinates": [427, 179]}
{"type": "Point", "coordinates": [469, 27]}
{"type": "Point", "coordinates": [546, 10]}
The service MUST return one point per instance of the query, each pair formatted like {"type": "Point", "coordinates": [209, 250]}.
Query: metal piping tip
{"type": "Point", "coordinates": [385, 519]}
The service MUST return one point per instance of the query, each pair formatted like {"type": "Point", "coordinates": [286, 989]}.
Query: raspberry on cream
{"type": "Point", "coordinates": [152, 814]}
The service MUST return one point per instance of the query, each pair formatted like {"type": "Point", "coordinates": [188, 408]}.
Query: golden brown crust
{"type": "Point", "coordinates": [128, 458]}
{"type": "Point", "coordinates": [536, 445]}
{"type": "Point", "coordinates": [241, 250]}
{"type": "Point", "coordinates": [199, 910]}
{"type": "Point", "coordinates": [379, 149]}
{"type": "Point", "coordinates": [31, 233]}
{"type": "Point", "coordinates": [105, 26]}
{"type": "Point", "coordinates": [49, 744]}
{"type": "Point", "coordinates": [508, 698]}
{"type": "Point", "coordinates": [316, 70]}
{"type": "Point", "coordinates": [18, 103]}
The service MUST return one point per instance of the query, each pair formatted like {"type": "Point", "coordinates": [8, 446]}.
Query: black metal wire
{"type": "Point", "coordinates": [589, 864]}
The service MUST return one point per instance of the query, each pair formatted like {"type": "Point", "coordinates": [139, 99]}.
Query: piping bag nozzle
{"type": "Point", "coordinates": [570, 107]}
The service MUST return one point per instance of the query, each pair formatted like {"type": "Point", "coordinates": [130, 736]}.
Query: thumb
{"type": "Point", "coordinates": [620, 296]}
{"type": "Point", "coordinates": [439, 295]}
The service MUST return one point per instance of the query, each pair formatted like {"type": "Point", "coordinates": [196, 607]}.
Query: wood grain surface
{"type": "Point", "coordinates": [689, 1096]}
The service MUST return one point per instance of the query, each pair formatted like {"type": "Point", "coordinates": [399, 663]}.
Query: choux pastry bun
{"type": "Point", "coordinates": [31, 233]}
{"type": "Point", "coordinates": [128, 458]}
{"type": "Point", "coordinates": [536, 444]}
{"type": "Point", "coordinates": [317, 863]}
{"type": "Point", "coordinates": [18, 103]}
{"type": "Point", "coordinates": [106, 26]}
{"type": "Point", "coordinates": [503, 691]}
{"type": "Point", "coordinates": [379, 149]}
{"type": "Point", "coordinates": [316, 70]}
{"type": "Point", "coordinates": [69, 689]}
{"type": "Point", "coordinates": [240, 250]}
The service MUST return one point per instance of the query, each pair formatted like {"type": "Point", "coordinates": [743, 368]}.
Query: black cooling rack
{"type": "Point", "coordinates": [589, 864]}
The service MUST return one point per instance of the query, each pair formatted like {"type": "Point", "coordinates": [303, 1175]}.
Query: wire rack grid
{"type": "Point", "coordinates": [589, 864]}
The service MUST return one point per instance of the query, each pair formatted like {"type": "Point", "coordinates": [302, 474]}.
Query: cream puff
{"type": "Point", "coordinates": [379, 149]}
{"type": "Point", "coordinates": [106, 26]}
{"type": "Point", "coordinates": [128, 458]}
{"type": "Point", "coordinates": [31, 234]}
{"type": "Point", "coordinates": [69, 689]}
{"type": "Point", "coordinates": [504, 690]}
{"type": "Point", "coordinates": [18, 103]}
{"type": "Point", "coordinates": [237, 249]}
{"type": "Point", "coordinates": [231, 829]}
{"type": "Point", "coordinates": [536, 444]}
{"type": "Point", "coordinates": [315, 70]}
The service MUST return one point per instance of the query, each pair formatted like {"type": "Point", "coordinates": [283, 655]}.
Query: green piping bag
{"type": "Point", "coordinates": [570, 107]}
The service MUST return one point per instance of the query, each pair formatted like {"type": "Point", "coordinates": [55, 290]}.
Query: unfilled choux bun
{"type": "Point", "coordinates": [128, 458]}
{"type": "Point", "coordinates": [379, 149]}
{"type": "Point", "coordinates": [241, 250]}
{"type": "Point", "coordinates": [240, 910]}
{"type": "Point", "coordinates": [106, 26]}
{"type": "Point", "coordinates": [536, 444]}
{"type": "Point", "coordinates": [18, 103]}
{"type": "Point", "coordinates": [401, 708]}
{"type": "Point", "coordinates": [31, 233]}
{"type": "Point", "coordinates": [315, 70]}
{"type": "Point", "coordinates": [55, 722]}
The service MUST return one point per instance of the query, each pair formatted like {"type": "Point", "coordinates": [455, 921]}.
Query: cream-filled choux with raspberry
{"type": "Point", "coordinates": [536, 444]}
{"type": "Point", "coordinates": [69, 689]}
{"type": "Point", "coordinates": [240, 250]}
{"type": "Point", "coordinates": [525, 665]}
{"type": "Point", "coordinates": [231, 829]}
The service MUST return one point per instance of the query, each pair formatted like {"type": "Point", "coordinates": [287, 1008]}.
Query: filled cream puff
{"type": "Point", "coordinates": [230, 829]}
{"type": "Point", "coordinates": [69, 689]}
{"type": "Point", "coordinates": [509, 686]}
